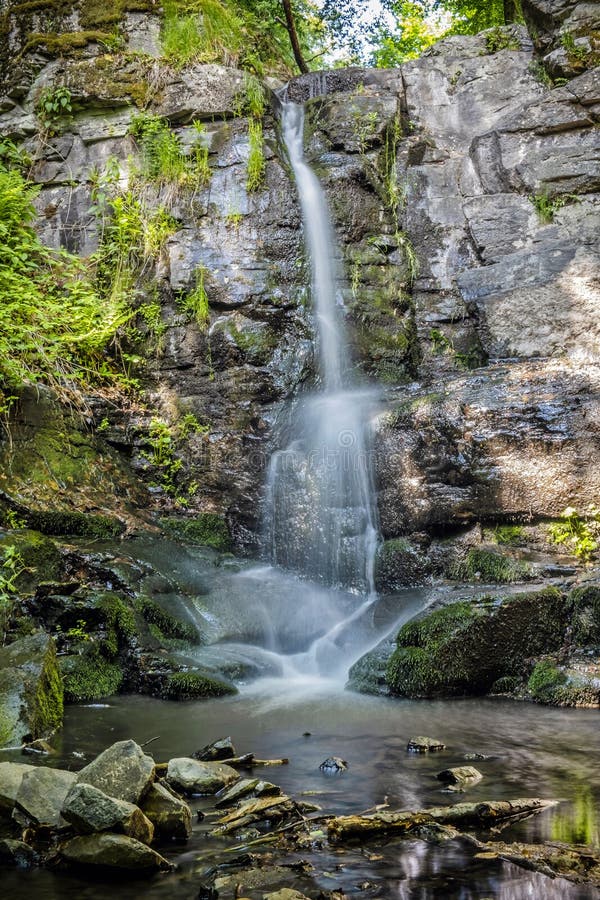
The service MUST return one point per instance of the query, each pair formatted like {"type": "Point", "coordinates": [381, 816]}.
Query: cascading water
{"type": "Point", "coordinates": [321, 513]}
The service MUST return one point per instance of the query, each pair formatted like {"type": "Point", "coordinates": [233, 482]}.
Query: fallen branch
{"type": "Point", "coordinates": [578, 864]}
{"type": "Point", "coordinates": [460, 815]}
{"type": "Point", "coordinates": [248, 760]}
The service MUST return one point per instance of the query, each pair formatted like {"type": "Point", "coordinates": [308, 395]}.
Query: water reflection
{"type": "Point", "coordinates": [577, 822]}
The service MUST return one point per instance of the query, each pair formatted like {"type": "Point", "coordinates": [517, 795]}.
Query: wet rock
{"type": "Point", "coordinates": [194, 777]}
{"type": "Point", "coordinates": [42, 795]}
{"type": "Point", "coordinates": [89, 810]}
{"type": "Point", "coordinates": [333, 764]}
{"type": "Point", "coordinates": [123, 771]}
{"type": "Point", "coordinates": [113, 851]}
{"type": "Point", "coordinates": [285, 894]}
{"type": "Point", "coordinates": [475, 756]}
{"type": "Point", "coordinates": [31, 691]}
{"type": "Point", "coordinates": [11, 776]}
{"type": "Point", "coordinates": [171, 816]}
{"type": "Point", "coordinates": [422, 744]}
{"type": "Point", "coordinates": [222, 749]}
{"type": "Point", "coordinates": [461, 776]}
{"type": "Point", "coordinates": [17, 853]}
{"type": "Point", "coordinates": [201, 90]}
{"type": "Point", "coordinates": [244, 788]}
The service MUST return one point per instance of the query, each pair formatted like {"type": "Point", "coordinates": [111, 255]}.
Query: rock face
{"type": "Point", "coordinates": [194, 777]}
{"type": "Point", "coordinates": [464, 189]}
{"type": "Point", "coordinates": [123, 771]}
{"type": "Point", "coordinates": [31, 692]}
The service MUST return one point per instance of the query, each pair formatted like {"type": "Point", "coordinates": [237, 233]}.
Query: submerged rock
{"type": "Point", "coordinates": [123, 771]}
{"type": "Point", "coordinates": [194, 777]}
{"type": "Point", "coordinates": [333, 764]}
{"type": "Point", "coordinates": [90, 810]}
{"type": "Point", "coordinates": [461, 776]}
{"type": "Point", "coordinates": [113, 851]}
{"type": "Point", "coordinates": [422, 744]}
{"type": "Point", "coordinates": [171, 816]}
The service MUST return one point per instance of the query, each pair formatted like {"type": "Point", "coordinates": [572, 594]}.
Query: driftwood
{"type": "Point", "coordinates": [248, 760]}
{"type": "Point", "coordinates": [460, 815]}
{"type": "Point", "coordinates": [579, 864]}
{"type": "Point", "coordinates": [275, 809]}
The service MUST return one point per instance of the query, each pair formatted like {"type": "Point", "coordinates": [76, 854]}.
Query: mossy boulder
{"type": "Point", "coordinates": [195, 686]}
{"type": "Point", "coordinates": [398, 564]}
{"type": "Point", "coordinates": [464, 648]}
{"type": "Point", "coordinates": [40, 557]}
{"type": "Point", "coordinates": [31, 690]}
{"type": "Point", "coordinates": [90, 675]}
{"type": "Point", "coordinates": [492, 566]}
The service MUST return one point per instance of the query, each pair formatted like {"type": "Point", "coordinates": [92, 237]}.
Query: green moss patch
{"type": "Point", "coordinates": [90, 676]}
{"type": "Point", "coordinates": [464, 648]}
{"type": "Point", "coordinates": [209, 529]}
{"type": "Point", "coordinates": [586, 614]}
{"type": "Point", "coordinates": [167, 625]}
{"type": "Point", "coordinates": [544, 680]}
{"type": "Point", "coordinates": [40, 555]}
{"type": "Point", "coordinates": [74, 523]}
{"type": "Point", "coordinates": [194, 686]}
{"type": "Point", "coordinates": [491, 567]}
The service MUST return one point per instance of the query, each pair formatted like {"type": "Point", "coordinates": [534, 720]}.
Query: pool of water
{"type": "Point", "coordinates": [533, 751]}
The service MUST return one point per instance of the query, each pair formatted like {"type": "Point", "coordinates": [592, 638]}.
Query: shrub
{"type": "Point", "coordinates": [544, 680]}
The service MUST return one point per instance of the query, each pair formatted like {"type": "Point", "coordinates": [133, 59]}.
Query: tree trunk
{"type": "Point", "coordinates": [291, 27]}
{"type": "Point", "coordinates": [511, 11]}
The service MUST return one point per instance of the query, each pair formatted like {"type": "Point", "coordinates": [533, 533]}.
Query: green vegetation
{"type": "Point", "coordinates": [586, 614]}
{"type": "Point", "coordinates": [510, 535]}
{"type": "Point", "coordinates": [491, 567]}
{"type": "Point", "coordinates": [194, 686]}
{"type": "Point", "coordinates": [578, 532]}
{"type": "Point", "coordinates": [48, 701]}
{"type": "Point", "coordinates": [544, 680]}
{"type": "Point", "coordinates": [577, 823]}
{"type": "Point", "coordinates": [499, 39]}
{"type": "Point", "coordinates": [90, 676]}
{"type": "Point", "coordinates": [576, 53]}
{"type": "Point", "coordinates": [208, 529]}
{"type": "Point", "coordinates": [53, 106]}
{"type": "Point", "coordinates": [195, 303]}
{"type": "Point", "coordinates": [168, 625]}
{"type": "Point", "coordinates": [11, 567]}
{"type": "Point", "coordinates": [255, 167]}
{"type": "Point", "coordinates": [162, 156]}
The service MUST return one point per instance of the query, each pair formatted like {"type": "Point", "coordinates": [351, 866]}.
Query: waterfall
{"type": "Point", "coordinates": [321, 518]}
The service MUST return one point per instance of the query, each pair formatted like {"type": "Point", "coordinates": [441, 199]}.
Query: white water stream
{"type": "Point", "coordinates": [321, 519]}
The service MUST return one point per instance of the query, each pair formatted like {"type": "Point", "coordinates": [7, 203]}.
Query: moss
{"type": "Point", "coordinates": [47, 708]}
{"type": "Point", "coordinates": [506, 685]}
{"type": "Point", "coordinates": [67, 44]}
{"type": "Point", "coordinates": [90, 676]}
{"type": "Point", "coordinates": [490, 566]}
{"type": "Point", "coordinates": [208, 529]}
{"type": "Point", "coordinates": [40, 556]}
{"type": "Point", "coordinates": [111, 78]}
{"type": "Point", "coordinates": [510, 535]}
{"type": "Point", "coordinates": [464, 648]}
{"type": "Point", "coordinates": [119, 621]}
{"type": "Point", "coordinates": [544, 680]}
{"type": "Point", "coordinates": [167, 625]}
{"type": "Point", "coordinates": [586, 614]}
{"type": "Point", "coordinates": [74, 523]}
{"type": "Point", "coordinates": [193, 686]}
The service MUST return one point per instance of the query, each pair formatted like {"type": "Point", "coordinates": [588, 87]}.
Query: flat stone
{"type": "Point", "coordinates": [123, 771]}
{"type": "Point", "coordinates": [90, 810]}
{"type": "Point", "coordinates": [194, 777]}
{"type": "Point", "coordinates": [171, 816]}
{"type": "Point", "coordinates": [113, 851]}
{"type": "Point", "coordinates": [42, 795]}
{"type": "Point", "coordinates": [424, 745]}
{"type": "Point", "coordinates": [11, 776]}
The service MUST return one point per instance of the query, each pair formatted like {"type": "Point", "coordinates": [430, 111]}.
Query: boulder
{"type": "Point", "coordinates": [31, 693]}
{"type": "Point", "coordinates": [333, 764]}
{"type": "Point", "coordinates": [201, 91]}
{"type": "Point", "coordinates": [89, 810]}
{"type": "Point", "coordinates": [11, 776]}
{"type": "Point", "coordinates": [222, 749]}
{"type": "Point", "coordinates": [460, 776]}
{"type": "Point", "coordinates": [113, 851]}
{"type": "Point", "coordinates": [42, 794]}
{"type": "Point", "coordinates": [123, 771]}
{"type": "Point", "coordinates": [422, 744]}
{"type": "Point", "coordinates": [171, 816]}
{"type": "Point", "coordinates": [17, 853]}
{"type": "Point", "coordinates": [194, 777]}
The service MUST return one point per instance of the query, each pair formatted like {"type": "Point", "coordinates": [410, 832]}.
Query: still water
{"type": "Point", "coordinates": [534, 751]}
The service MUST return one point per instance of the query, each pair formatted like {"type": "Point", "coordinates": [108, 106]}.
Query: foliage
{"type": "Point", "coordinates": [90, 676]}
{"type": "Point", "coordinates": [196, 303]}
{"type": "Point", "coordinates": [53, 105]}
{"type": "Point", "coordinates": [579, 532]}
{"type": "Point", "coordinates": [13, 157]}
{"type": "Point", "coordinates": [496, 39]}
{"type": "Point", "coordinates": [11, 567]}
{"type": "Point", "coordinates": [547, 206]}
{"type": "Point", "coordinates": [576, 53]}
{"type": "Point", "coordinates": [201, 166]}
{"type": "Point", "coordinates": [55, 325]}
{"type": "Point", "coordinates": [489, 566]}
{"type": "Point", "coordinates": [510, 535]}
{"type": "Point", "coordinates": [255, 167]}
